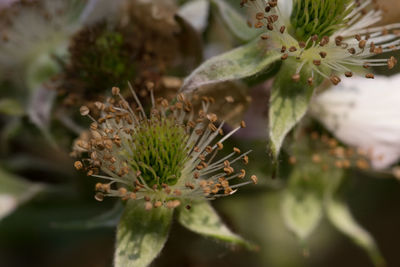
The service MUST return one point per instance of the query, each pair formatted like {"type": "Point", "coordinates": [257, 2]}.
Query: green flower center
{"type": "Point", "coordinates": [159, 151]}
{"type": "Point", "coordinates": [318, 17]}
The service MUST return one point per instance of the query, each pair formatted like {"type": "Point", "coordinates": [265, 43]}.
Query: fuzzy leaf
{"type": "Point", "coordinates": [141, 235]}
{"type": "Point", "coordinates": [340, 216]}
{"type": "Point", "coordinates": [242, 62]}
{"type": "Point", "coordinates": [234, 21]}
{"type": "Point", "coordinates": [107, 219]}
{"type": "Point", "coordinates": [14, 191]}
{"type": "Point", "coordinates": [302, 202]}
{"type": "Point", "coordinates": [201, 218]}
{"type": "Point", "coordinates": [288, 104]}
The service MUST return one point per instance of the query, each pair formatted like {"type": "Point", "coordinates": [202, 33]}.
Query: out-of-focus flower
{"type": "Point", "coordinates": [165, 157]}
{"type": "Point", "coordinates": [325, 38]}
{"type": "Point", "coordinates": [365, 115]}
{"type": "Point", "coordinates": [146, 42]}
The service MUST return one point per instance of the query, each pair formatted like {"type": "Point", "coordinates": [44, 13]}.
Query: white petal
{"type": "Point", "coordinates": [8, 203]}
{"type": "Point", "coordinates": [196, 13]}
{"type": "Point", "coordinates": [366, 114]}
{"type": "Point", "coordinates": [285, 7]}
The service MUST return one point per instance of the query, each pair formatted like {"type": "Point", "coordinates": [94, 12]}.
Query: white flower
{"type": "Point", "coordinates": [365, 115]}
{"type": "Point", "coordinates": [164, 157]}
{"type": "Point", "coordinates": [328, 37]}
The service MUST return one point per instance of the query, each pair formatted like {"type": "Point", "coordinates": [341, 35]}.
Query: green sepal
{"type": "Point", "coordinates": [302, 203]}
{"type": "Point", "coordinates": [141, 234]}
{"type": "Point", "coordinates": [234, 21]}
{"type": "Point", "coordinates": [288, 103]}
{"type": "Point", "coordinates": [243, 62]}
{"type": "Point", "coordinates": [201, 218]}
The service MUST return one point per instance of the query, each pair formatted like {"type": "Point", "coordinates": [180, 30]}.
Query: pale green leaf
{"type": "Point", "coordinates": [107, 219]}
{"type": "Point", "coordinates": [234, 21]}
{"type": "Point", "coordinates": [201, 218]}
{"type": "Point", "coordinates": [288, 104]}
{"type": "Point", "coordinates": [14, 191]}
{"type": "Point", "coordinates": [242, 62]}
{"type": "Point", "coordinates": [302, 202]}
{"type": "Point", "coordinates": [340, 216]}
{"type": "Point", "coordinates": [141, 234]}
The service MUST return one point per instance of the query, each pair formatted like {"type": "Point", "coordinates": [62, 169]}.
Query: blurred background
{"type": "Point", "coordinates": [50, 198]}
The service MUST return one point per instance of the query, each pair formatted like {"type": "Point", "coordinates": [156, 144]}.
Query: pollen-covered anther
{"type": "Point", "coordinates": [78, 165]}
{"type": "Point", "coordinates": [254, 179]}
{"type": "Point", "coordinates": [173, 204]}
{"type": "Point", "coordinates": [392, 61]}
{"type": "Point", "coordinates": [84, 110]}
{"type": "Point", "coordinates": [296, 77]}
{"type": "Point", "coordinates": [370, 76]}
{"type": "Point", "coordinates": [335, 79]}
{"type": "Point", "coordinates": [242, 174]}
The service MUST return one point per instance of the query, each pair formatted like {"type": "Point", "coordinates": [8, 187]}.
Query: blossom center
{"type": "Point", "coordinates": [159, 151]}
{"type": "Point", "coordinates": [319, 17]}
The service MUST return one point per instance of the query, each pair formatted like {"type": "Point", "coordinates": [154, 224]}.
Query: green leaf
{"type": "Point", "coordinates": [9, 106]}
{"type": "Point", "coordinates": [201, 218]}
{"type": "Point", "coordinates": [107, 219]}
{"type": "Point", "coordinates": [141, 234]}
{"type": "Point", "coordinates": [14, 191]}
{"type": "Point", "coordinates": [234, 21]}
{"type": "Point", "coordinates": [340, 216]}
{"type": "Point", "coordinates": [288, 104]}
{"type": "Point", "coordinates": [302, 202]}
{"type": "Point", "coordinates": [242, 62]}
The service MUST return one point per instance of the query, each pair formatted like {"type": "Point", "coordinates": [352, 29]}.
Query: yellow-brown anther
{"type": "Point", "coordinates": [84, 110]}
{"type": "Point", "coordinates": [236, 150]}
{"type": "Point", "coordinates": [335, 79]}
{"type": "Point", "coordinates": [242, 174]}
{"type": "Point", "coordinates": [258, 25]}
{"type": "Point", "coordinates": [348, 74]}
{"type": "Point", "coordinates": [220, 146]}
{"type": "Point", "coordinates": [323, 54]}
{"type": "Point", "coordinates": [260, 16]}
{"type": "Point", "coordinates": [370, 76]}
{"type": "Point", "coordinates": [296, 77]}
{"type": "Point", "coordinates": [392, 61]}
{"type": "Point", "coordinates": [242, 124]}
{"type": "Point", "coordinates": [317, 62]}
{"type": "Point", "coordinates": [122, 191]}
{"type": "Point", "coordinates": [148, 205]}
{"type": "Point", "coordinates": [246, 160]}
{"type": "Point", "coordinates": [99, 196]}
{"type": "Point", "coordinates": [78, 165]}
{"type": "Point", "coordinates": [254, 179]}
{"type": "Point", "coordinates": [115, 91]}
{"type": "Point", "coordinates": [157, 204]}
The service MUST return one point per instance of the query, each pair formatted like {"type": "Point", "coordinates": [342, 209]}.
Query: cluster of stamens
{"type": "Point", "coordinates": [334, 155]}
{"type": "Point", "coordinates": [163, 157]}
{"type": "Point", "coordinates": [329, 56]}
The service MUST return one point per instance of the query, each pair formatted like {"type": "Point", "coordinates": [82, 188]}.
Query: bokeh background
{"type": "Point", "coordinates": [32, 235]}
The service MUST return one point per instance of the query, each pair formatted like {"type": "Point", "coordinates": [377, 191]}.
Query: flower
{"type": "Point", "coordinates": [364, 115]}
{"type": "Point", "coordinates": [28, 54]}
{"type": "Point", "coordinates": [165, 157]}
{"type": "Point", "coordinates": [328, 38]}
